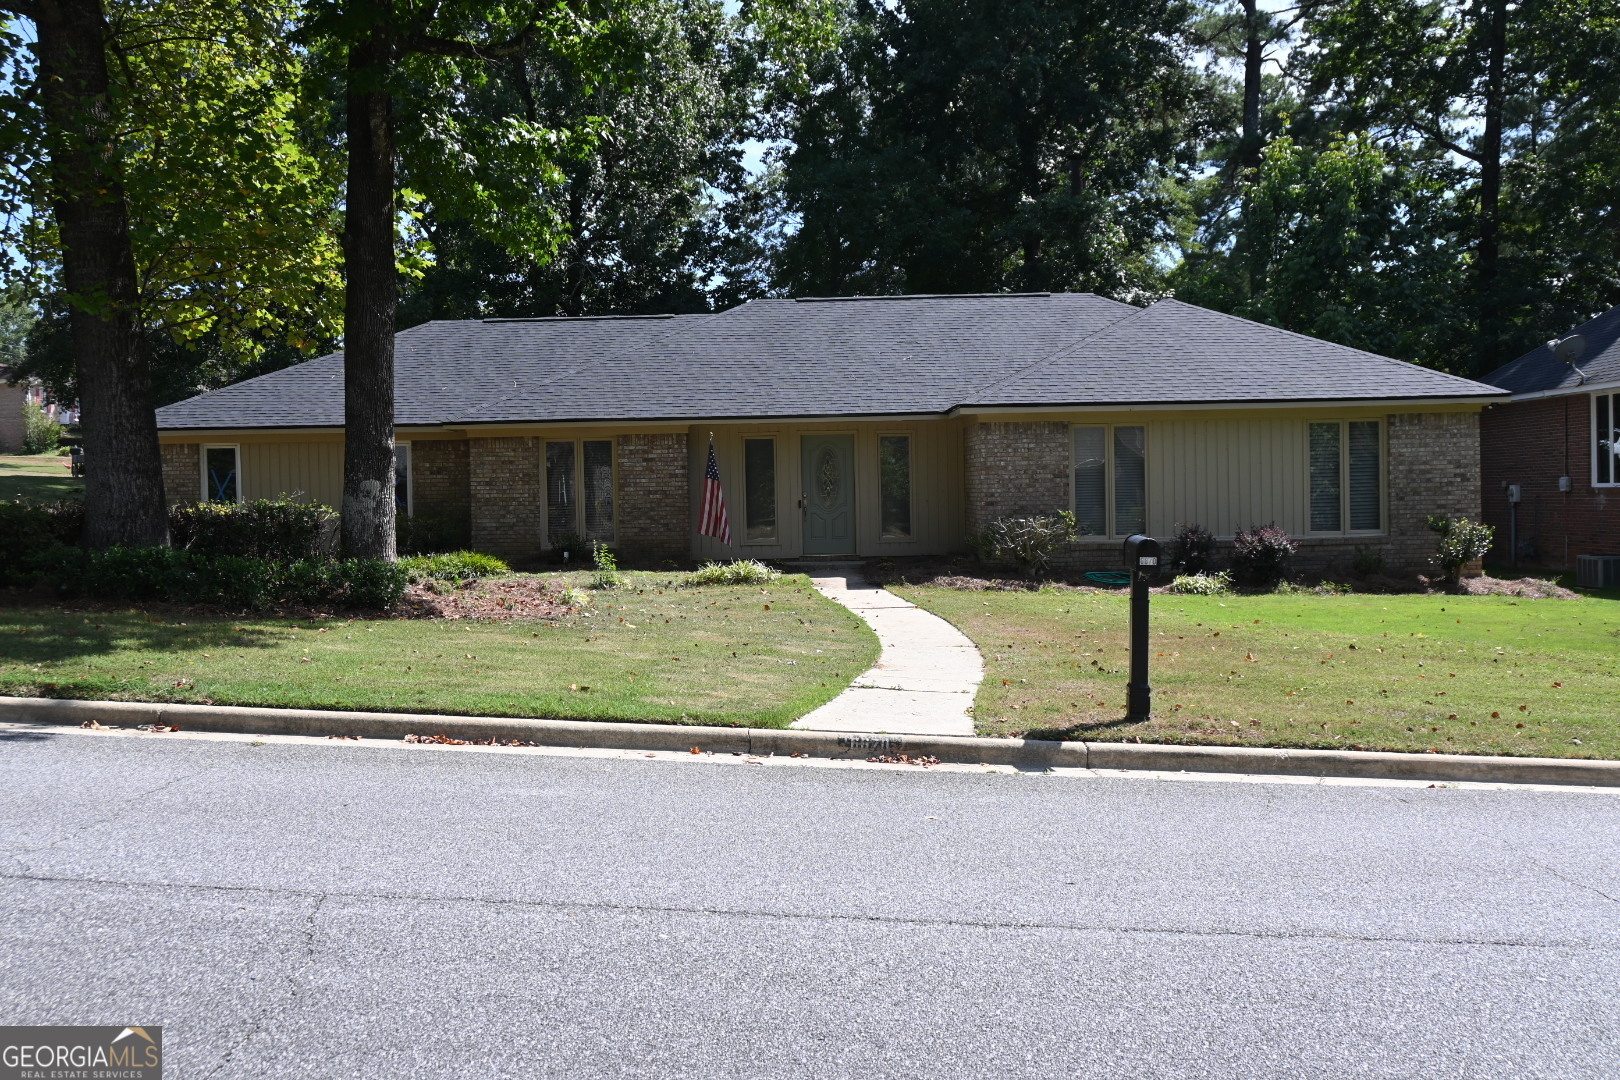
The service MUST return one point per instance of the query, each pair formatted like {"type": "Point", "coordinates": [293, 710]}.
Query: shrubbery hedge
{"type": "Point", "coordinates": [249, 555]}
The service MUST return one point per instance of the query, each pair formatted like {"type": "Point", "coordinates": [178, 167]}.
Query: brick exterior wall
{"type": "Point", "coordinates": [1532, 444]}
{"type": "Point", "coordinates": [506, 502]}
{"type": "Point", "coordinates": [441, 489]}
{"type": "Point", "coordinates": [654, 488]}
{"type": "Point", "coordinates": [1014, 469]}
{"type": "Point", "coordinates": [182, 472]}
{"type": "Point", "coordinates": [1433, 469]}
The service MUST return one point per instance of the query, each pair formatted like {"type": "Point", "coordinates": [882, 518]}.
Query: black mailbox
{"type": "Point", "coordinates": [1142, 556]}
{"type": "Point", "coordinates": [1142, 553]}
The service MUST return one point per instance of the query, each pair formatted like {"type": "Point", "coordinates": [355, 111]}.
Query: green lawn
{"type": "Point", "coordinates": [41, 477]}
{"type": "Point", "coordinates": [759, 656]}
{"type": "Point", "coordinates": [1486, 674]}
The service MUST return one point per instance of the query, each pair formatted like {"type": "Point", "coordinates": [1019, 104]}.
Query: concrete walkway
{"type": "Point", "coordinates": [925, 679]}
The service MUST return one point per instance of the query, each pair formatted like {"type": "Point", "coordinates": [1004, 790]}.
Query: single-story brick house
{"type": "Point", "coordinates": [871, 426]}
{"type": "Point", "coordinates": [1555, 441]}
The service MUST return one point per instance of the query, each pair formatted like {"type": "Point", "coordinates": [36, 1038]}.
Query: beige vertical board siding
{"type": "Point", "coordinates": [1227, 474]}
{"type": "Point", "coordinates": [936, 486]}
{"type": "Point", "coordinates": [310, 471]}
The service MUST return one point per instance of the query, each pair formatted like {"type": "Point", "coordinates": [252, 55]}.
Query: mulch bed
{"type": "Point", "coordinates": [519, 598]}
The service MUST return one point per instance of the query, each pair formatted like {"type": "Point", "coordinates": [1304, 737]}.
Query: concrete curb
{"type": "Point", "coordinates": [1018, 753]}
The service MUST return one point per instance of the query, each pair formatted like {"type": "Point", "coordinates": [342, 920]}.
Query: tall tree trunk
{"type": "Point", "coordinates": [1487, 261]}
{"type": "Point", "coordinates": [369, 304]}
{"type": "Point", "coordinates": [123, 497]}
{"type": "Point", "coordinates": [1254, 55]}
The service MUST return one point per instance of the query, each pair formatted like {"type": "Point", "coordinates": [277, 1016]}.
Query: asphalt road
{"type": "Point", "coordinates": [289, 910]}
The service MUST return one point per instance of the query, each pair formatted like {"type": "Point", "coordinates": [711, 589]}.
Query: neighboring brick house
{"type": "Point", "coordinates": [872, 426]}
{"type": "Point", "coordinates": [13, 397]}
{"type": "Point", "coordinates": [1557, 442]}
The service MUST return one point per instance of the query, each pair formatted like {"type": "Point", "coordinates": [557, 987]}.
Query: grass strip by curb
{"type": "Point", "coordinates": [1018, 753]}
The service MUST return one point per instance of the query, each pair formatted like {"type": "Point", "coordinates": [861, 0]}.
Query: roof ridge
{"type": "Point", "coordinates": [1314, 340]}
{"type": "Point", "coordinates": [921, 296]}
{"type": "Point", "coordinates": [1136, 312]}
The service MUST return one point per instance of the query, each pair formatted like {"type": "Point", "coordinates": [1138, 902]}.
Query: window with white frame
{"type": "Point", "coordinates": [402, 478]}
{"type": "Point", "coordinates": [579, 489]}
{"type": "Point", "coordinates": [1606, 439]}
{"type": "Point", "coordinates": [1110, 479]}
{"type": "Point", "coordinates": [221, 474]}
{"type": "Point", "coordinates": [1346, 461]}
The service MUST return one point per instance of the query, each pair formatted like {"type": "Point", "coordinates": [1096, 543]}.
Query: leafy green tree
{"type": "Point", "coordinates": [664, 89]}
{"type": "Point", "coordinates": [1341, 245]}
{"type": "Point", "coordinates": [984, 145]}
{"type": "Point", "coordinates": [407, 68]}
{"type": "Point", "coordinates": [228, 207]}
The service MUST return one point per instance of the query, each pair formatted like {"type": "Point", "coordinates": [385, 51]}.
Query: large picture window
{"type": "Point", "coordinates": [759, 489]}
{"type": "Point", "coordinates": [894, 483]}
{"type": "Point", "coordinates": [221, 474]}
{"type": "Point", "coordinates": [1346, 461]}
{"type": "Point", "coordinates": [1606, 438]}
{"type": "Point", "coordinates": [1110, 479]}
{"type": "Point", "coordinates": [579, 490]}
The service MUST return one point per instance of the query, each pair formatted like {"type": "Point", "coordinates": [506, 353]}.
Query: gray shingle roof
{"type": "Point", "coordinates": [441, 371]}
{"type": "Point", "coordinates": [862, 356]}
{"type": "Point", "coordinates": [1175, 353]}
{"type": "Point", "coordinates": [1539, 369]}
{"type": "Point", "coordinates": [866, 356]}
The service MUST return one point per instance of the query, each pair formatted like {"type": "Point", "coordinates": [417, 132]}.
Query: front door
{"type": "Point", "coordinates": [829, 494]}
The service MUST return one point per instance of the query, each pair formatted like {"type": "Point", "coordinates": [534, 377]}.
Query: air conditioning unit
{"type": "Point", "coordinates": [1597, 571]}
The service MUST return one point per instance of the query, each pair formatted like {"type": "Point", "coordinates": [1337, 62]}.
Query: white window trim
{"type": "Point", "coordinates": [741, 536]}
{"type": "Point", "coordinates": [410, 473]}
{"type": "Point", "coordinates": [1591, 426]}
{"type": "Point", "coordinates": [202, 469]}
{"type": "Point", "coordinates": [911, 485]}
{"type": "Point", "coordinates": [1344, 477]}
{"type": "Point", "coordinates": [579, 486]}
{"type": "Point", "coordinates": [1109, 507]}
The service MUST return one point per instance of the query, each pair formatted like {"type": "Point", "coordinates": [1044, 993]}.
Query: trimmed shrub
{"type": "Point", "coordinates": [1461, 542]}
{"type": "Point", "coordinates": [456, 567]}
{"type": "Point", "coordinates": [229, 580]}
{"type": "Point", "coordinates": [368, 583]}
{"type": "Point", "coordinates": [1260, 556]}
{"type": "Point", "coordinates": [1030, 542]}
{"type": "Point", "coordinates": [280, 530]}
{"type": "Point", "coordinates": [1202, 584]}
{"type": "Point", "coordinates": [741, 572]}
{"type": "Point", "coordinates": [1366, 561]}
{"type": "Point", "coordinates": [570, 544]}
{"type": "Point", "coordinates": [25, 536]}
{"type": "Point", "coordinates": [1192, 550]}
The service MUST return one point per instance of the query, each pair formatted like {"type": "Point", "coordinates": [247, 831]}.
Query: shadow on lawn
{"type": "Point", "coordinates": [37, 636]}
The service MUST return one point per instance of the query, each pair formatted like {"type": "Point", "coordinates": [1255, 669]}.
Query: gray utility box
{"type": "Point", "coordinates": [1597, 571]}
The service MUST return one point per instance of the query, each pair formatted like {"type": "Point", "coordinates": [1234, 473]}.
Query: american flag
{"type": "Point", "coordinates": [714, 521]}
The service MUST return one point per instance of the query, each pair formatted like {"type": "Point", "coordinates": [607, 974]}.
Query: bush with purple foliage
{"type": "Point", "coordinates": [1260, 555]}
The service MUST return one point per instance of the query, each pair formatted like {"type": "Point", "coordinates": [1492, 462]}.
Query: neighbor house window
{"type": "Point", "coordinates": [579, 490]}
{"type": "Point", "coordinates": [402, 478]}
{"type": "Point", "coordinates": [1110, 479]}
{"type": "Point", "coordinates": [1606, 438]}
{"type": "Point", "coordinates": [1346, 476]}
{"type": "Point", "coordinates": [221, 474]}
{"type": "Point", "coordinates": [759, 489]}
{"type": "Point", "coordinates": [894, 475]}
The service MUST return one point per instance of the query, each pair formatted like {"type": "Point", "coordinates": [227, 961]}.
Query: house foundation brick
{"type": "Point", "coordinates": [182, 472]}
{"type": "Point", "coordinates": [441, 492]}
{"type": "Point", "coordinates": [506, 502]}
{"type": "Point", "coordinates": [654, 486]}
{"type": "Point", "coordinates": [1015, 469]}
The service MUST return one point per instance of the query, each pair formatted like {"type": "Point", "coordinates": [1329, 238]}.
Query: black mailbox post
{"type": "Point", "coordinates": [1142, 558]}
